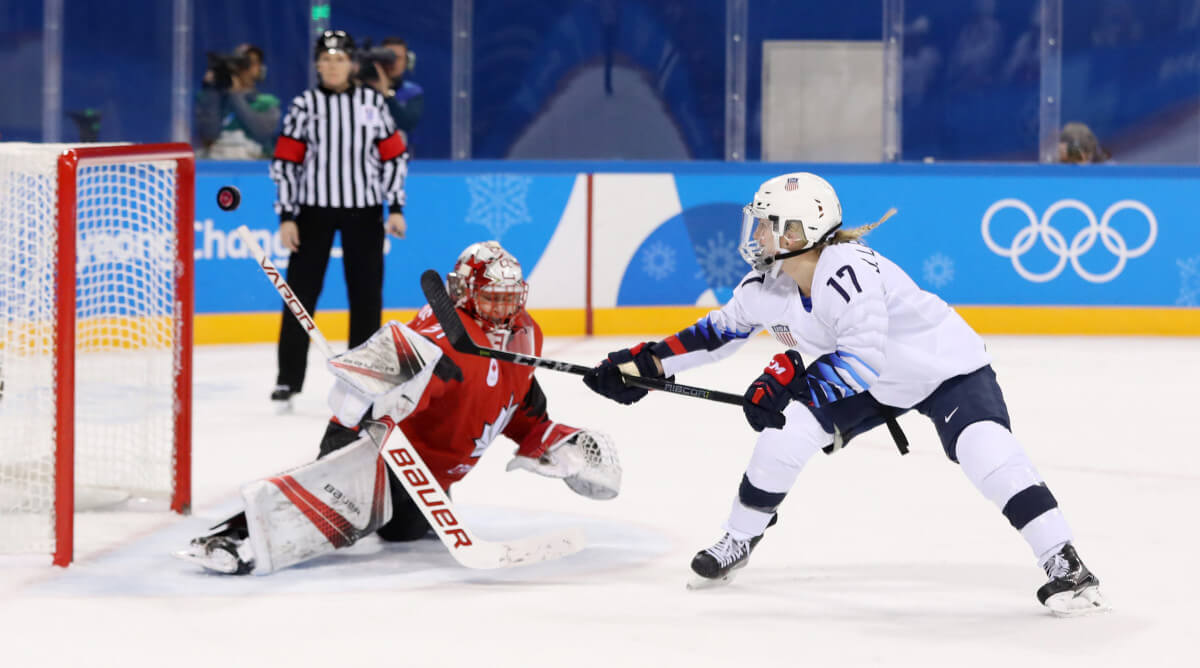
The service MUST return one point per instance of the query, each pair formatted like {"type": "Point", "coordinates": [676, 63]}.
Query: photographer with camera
{"type": "Point", "coordinates": [233, 120]}
{"type": "Point", "coordinates": [338, 161]}
{"type": "Point", "coordinates": [384, 68]}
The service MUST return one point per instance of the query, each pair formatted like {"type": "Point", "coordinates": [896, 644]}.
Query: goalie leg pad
{"type": "Point", "coordinates": [318, 507]}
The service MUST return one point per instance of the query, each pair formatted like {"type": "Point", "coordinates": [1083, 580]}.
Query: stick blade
{"type": "Point", "coordinates": [486, 555]}
{"type": "Point", "coordinates": [445, 312]}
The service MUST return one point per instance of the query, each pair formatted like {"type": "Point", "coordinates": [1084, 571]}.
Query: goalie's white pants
{"type": "Point", "coordinates": [317, 508]}
{"type": "Point", "coordinates": [990, 456]}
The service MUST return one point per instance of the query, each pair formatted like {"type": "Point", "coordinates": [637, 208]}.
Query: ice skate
{"type": "Point", "coordinates": [281, 399]}
{"type": "Point", "coordinates": [1073, 589]}
{"type": "Point", "coordinates": [717, 565]}
{"type": "Point", "coordinates": [220, 554]}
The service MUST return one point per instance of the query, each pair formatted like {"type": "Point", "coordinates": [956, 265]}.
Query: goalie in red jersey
{"type": "Point", "coordinates": [449, 405]}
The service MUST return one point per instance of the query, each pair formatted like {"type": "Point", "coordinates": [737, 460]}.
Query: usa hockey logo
{"type": "Point", "coordinates": [784, 335]}
{"type": "Point", "coordinates": [792, 184]}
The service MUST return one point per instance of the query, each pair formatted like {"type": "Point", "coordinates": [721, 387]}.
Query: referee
{"type": "Point", "coordinates": [338, 161]}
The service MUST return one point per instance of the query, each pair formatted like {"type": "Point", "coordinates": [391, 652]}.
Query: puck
{"type": "Point", "coordinates": [228, 198]}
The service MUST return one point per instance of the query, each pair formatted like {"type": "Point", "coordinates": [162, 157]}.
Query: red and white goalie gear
{"type": "Point", "coordinates": [489, 284]}
{"type": "Point", "coordinates": [388, 371]}
{"type": "Point", "coordinates": [585, 460]}
{"type": "Point", "coordinates": [317, 508]}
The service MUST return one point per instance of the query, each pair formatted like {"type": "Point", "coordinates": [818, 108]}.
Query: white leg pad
{"type": "Point", "coordinates": [994, 461]}
{"type": "Point", "coordinates": [779, 456]}
{"type": "Point", "coordinates": [745, 523]}
{"type": "Point", "coordinates": [316, 508]}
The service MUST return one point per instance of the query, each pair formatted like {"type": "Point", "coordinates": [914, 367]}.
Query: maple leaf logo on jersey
{"type": "Point", "coordinates": [493, 429]}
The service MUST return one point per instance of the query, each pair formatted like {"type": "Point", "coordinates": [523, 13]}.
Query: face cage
{"type": "Point", "coordinates": [753, 252]}
{"type": "Point", "coordinates": [492, 305]}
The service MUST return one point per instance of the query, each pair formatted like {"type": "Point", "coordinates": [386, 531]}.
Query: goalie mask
{"type": "Point", "coordinates": [488, 283]}
{"type": "Point", "coordinates": [794, 207]}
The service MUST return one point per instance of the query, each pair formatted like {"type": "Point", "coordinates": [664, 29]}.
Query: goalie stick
{"type": "Point", "coordinates": [404, 461]}
{"type": "Point", "coordinates": [456, 332]}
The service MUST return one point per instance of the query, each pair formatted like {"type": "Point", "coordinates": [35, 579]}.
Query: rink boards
{"type": "Point", "coordinates": [625, 248]}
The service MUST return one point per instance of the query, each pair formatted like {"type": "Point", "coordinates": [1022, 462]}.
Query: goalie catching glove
{"type": "Point", "coordinates": [585, 460]}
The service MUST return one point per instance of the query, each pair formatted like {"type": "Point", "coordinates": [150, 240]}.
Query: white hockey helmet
{"type": "Point", "coordinates": [797, 206]}
{"type": "Point", "coordinates": [487, 281]}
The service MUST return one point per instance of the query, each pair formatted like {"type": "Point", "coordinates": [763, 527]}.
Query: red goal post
{"type": "Point", "coordinates": [96, 304]}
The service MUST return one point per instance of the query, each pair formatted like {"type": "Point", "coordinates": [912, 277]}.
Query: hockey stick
{"type": "Point", "coordinates": [443, 308]}
{"type": "Point", "coordinates": [404, 461]}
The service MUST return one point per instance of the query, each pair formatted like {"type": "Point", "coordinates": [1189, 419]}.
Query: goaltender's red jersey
{"type": "Point", "coordinates": [456, 420]}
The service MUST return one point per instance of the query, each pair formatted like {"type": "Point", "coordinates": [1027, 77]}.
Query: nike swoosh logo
{"type": "Point", "coordinates": [951, 413]}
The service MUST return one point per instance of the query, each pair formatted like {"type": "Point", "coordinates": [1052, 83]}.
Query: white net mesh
{"type": "Point", "coordinates": [600, 477]}
{"type": "Point", "coordinates": [125, 353]}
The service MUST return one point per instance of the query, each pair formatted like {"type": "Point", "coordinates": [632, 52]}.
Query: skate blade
{"type": "Point", "coordinates": [699, 582]}
{"type": "Point", "coordinates": [1077, 604]}
{"type": "Point", "coordinates": [282, 407]}
{"type": "Point", "coordinates": [222, 566]}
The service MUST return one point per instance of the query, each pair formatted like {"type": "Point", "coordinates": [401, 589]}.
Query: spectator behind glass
{"type": "Point", "coordinates": [233, 120]}
{"type": "Point", "coordinates": [1025, 62]}
{"type": "Point", "coordinates": [405, 99]}
{"type": "Point", "coordinates": [1078, 145]}
{"type": "Point", "coordinates": [977, 51]}
{"type": "Point", "coordinates": [922, 62]}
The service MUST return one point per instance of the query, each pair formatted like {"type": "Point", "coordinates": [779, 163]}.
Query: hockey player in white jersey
{"type": "Point", "coordinates": [884, 347]}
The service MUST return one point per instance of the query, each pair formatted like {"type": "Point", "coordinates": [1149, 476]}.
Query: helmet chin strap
{"type": "Point", "coordinates": [783, 256]}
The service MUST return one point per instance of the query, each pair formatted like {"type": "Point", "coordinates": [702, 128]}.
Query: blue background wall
{"type": "Point", "coordinates": [1129, 69]}
{"type": "Point", "coordinates": [937, 236]}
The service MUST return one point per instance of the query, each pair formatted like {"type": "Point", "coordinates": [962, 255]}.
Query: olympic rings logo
{"type": "Point", "coordinates": [1057, 243]}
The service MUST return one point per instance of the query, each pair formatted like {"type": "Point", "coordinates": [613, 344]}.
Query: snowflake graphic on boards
{"type": "Point", "coordinates": [1189, 282]}
{"type": "Point", "coordinates": [498, 202]}
{"type": "Point", "coordinates": [720, 264]}
{"type": "Point", "coordinates": [939, 270]}
{"type": "Point", "coordinates": [658, 260]}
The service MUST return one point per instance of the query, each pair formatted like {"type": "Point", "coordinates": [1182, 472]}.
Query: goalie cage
{"type": "Point", "coordinates": [95, 334]}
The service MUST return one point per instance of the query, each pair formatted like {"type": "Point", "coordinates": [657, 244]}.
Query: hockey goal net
{"type": "Point", "coordinates": [95, 334]}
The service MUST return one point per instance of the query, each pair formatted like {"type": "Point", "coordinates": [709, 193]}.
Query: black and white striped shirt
{"type": "Point", "coordinates": [338, 150]}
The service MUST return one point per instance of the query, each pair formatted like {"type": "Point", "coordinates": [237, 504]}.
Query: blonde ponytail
{"type": "Point", "coordinates": [856, 233]}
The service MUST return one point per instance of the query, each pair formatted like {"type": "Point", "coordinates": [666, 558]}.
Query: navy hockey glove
{"type": "Point", "coordinates": [782, 380]}
{"type": "Point", "coordinates": [605, 378]}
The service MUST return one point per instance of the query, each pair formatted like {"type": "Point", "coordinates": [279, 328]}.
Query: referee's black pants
{"type": "Point", "coordinates": [362, 257]}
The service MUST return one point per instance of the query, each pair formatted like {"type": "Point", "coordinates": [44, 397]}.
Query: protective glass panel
{"type": "Point", "coordinates": [21, 60]}
{"type": "Point", "coordinates": [1129, 73]}
{"type": "Point", "coordinates": [116, 71]}
{"type": "Point", "coordinates": [280, 30]}
{"type": "Point", "coordinates": [423, 89]}
{"type": "Point", "coordinates": [811, 63]}
{"type": "Point", "coordinates": [593, 80]}
{"type": "Point", "coordinates": [970, 82]}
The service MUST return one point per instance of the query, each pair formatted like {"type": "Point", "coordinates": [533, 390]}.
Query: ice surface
{"type": "Point", "coordinates": [877, 560]}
